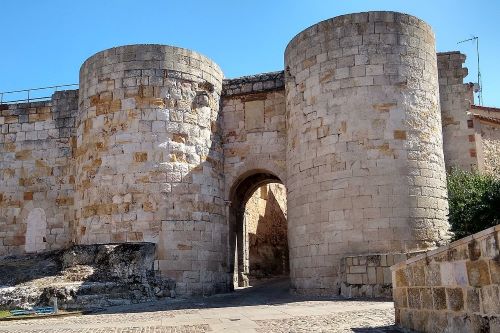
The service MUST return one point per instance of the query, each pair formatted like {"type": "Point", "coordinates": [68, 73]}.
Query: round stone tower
{"type": "Point", "coordinates": [149, 159]}
{"type": "Point", "coordinates": [365, 158]}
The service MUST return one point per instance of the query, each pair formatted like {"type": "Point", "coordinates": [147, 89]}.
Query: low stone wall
{"type": "Point", "coordinates": [369, 275]}
{"type": "Point", "coordinates": [454, 288]}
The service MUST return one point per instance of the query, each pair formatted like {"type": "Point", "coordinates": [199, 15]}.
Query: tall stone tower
{"type": "Point", "coordinates": [365, 158]}
{"type": "Point", "coordinates": [149, 159]}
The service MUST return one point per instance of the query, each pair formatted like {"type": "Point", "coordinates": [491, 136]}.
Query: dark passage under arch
{"type": "Point", "coordinates": [239, 246]}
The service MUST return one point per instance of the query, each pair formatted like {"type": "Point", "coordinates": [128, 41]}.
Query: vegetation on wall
{"type": "Point", "coordinates": [474, 200]}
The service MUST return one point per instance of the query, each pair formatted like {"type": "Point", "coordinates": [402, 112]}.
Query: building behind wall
{"type": "Point", "coordinates": [358, 127]}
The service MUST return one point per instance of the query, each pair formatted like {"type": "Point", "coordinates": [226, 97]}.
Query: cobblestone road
{"type": "Point", "coordinates": [267, 308]}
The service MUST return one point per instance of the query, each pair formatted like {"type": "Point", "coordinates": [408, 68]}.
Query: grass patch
{"type": "Point", "coordinates": [6, 316]}
{"type": "Point", "coordinates": [4, 313]}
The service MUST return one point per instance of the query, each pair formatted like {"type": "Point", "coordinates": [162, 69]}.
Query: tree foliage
{"type": "Point", "coordinates": [474, 200]}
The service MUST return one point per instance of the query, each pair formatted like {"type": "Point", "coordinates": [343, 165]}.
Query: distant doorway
{"type": "Point", "coordinates": [258, 230]}
{"type": "Point", "coordinates": [265, 230]}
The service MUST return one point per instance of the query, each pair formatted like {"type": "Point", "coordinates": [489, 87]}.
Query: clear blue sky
{"type": "Point", "coordinates": [45, 42]}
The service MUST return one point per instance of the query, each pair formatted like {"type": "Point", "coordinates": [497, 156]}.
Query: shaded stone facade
{"type": "Point", "coordinates": [157, 146]}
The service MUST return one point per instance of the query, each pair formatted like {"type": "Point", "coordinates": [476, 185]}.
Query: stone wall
{"type": "Point", "coordinates": [254, 127]}
{"type": "Point", "coordinates": [254, 142]}
{"type": "Point", "coordinates": [365, 168]}
{"type": "Point", "coordinates": [370, 275]}
{"type": "Point", "coordinates": [490, 139]}
{"type": "Point", "coordinates": [36, 174]}
{"type": "Point", "coordinates": [266, 232]}
{"type": "Point", "coordinates": [486, 122]}
{"type": "Point", "coordinates": [454, 288]}
{"type": "Point", "coordinates": [459, 144]}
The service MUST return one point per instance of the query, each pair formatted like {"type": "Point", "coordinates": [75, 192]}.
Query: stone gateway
{"type": "Point", "coordinates": [157, 146]}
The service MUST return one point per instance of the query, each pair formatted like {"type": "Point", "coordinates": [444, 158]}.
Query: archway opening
{"type": "Point", "coordinates": [258, 230]}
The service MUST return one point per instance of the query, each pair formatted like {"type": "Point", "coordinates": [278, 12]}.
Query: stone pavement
{"type": "Point", "coordinates": [265, 308]}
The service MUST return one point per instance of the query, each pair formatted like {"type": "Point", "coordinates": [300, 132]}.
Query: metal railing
{"type": "Point", "coordinates": [33, 94]}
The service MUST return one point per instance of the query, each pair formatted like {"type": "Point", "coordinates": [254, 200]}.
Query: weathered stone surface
{"type": "Point", "coordinates": [364, 132]}
{"type": "Point", "coordinates": [460, 292]}
{"type": "Point", "coordinates": [455, 99]}
{"type": "Point", "coordinates": [478, 273]}
{"type": "Point", "coordinates": [149, 162]}
{"type": "Point", "coordinates": [370, 275]}
{"type": "Point", "coordinates": [455, 298]}
{"type": "Point", "coordinates": [83, 276]}
{"type": "Point", "coordinates": [36, 179]}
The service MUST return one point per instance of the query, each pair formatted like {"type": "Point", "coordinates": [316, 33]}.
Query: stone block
{"type": "Point", "coordinates": [419, 319]}
{"type": "Point", "coordinates": [414, 301]}
{"type": "Point", "coordinates": [383, 260]}
{"type": "Point", "coordinates": [400, 298]}
{"type": "Point", "coordinates": [473, 301]}
{"type": "Point", "coordinates": [387, 275]}
{"type": "Point", "coordinates": [495, 271]}
{"type": "Point", "coordinates": [478, 273]}
{"type": "Point", "coordinates": [446, 271]}
{"type": "Point", "coordinates": [455, 298]}
{"type": "Point", "coordinates": [390, 260]}
{"type": "Point", "coordinates": [467, 323]}
{"type": "Point", "coordinates": [254, 115]}
{"type": "Point", "coordinates": [372, 275]}
{"type": "Point", "coordinates": [437, 322]}
{"type": "Point", "coordinates": [439, 298]}
{"type": "Point", "coordinates": [460, 273]}
{"type": "Point", "coordinates": [432, 275]}
{"type": "Point", "coordinates": [357, 269]}
{"type": "Point", "coordinates": [490, 299]}
{"type": "Point", "coordinates": [354, 278]}
{"type": "Point", "coordinates": [426, 298]}
{"type": "Point", "coordinates": [474, 250]}
{"type": "Point", "coordinates": [417, 276]}
{"type": "Point", "coordinates": [401, 277]}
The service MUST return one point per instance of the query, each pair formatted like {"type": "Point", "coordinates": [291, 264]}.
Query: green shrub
{"type": "Point", "coordinates": [474, 200]}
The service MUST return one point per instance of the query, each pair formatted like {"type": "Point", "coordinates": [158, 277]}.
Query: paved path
{"type": "Point", "coordinates": [266, 308]}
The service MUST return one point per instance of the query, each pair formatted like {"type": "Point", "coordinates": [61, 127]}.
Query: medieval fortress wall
{"type": "Point", "coordinates": [156, 146]}
{"type": "Point", "coordinates": [149, 162]}
{"type": "Point", "coordinates": [37, 180]}
{"type": "Point", "coordinates": [365, 160]}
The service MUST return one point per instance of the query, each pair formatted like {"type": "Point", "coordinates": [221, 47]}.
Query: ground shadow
{"type": "Point", "coordinates": [100, 274]}
{"type": "Point", "coordinates": [379, 329]}
{"type": "Point", "coordinates": [19, 269]}
{"type": "Point", "coordinates": [273, 292]}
